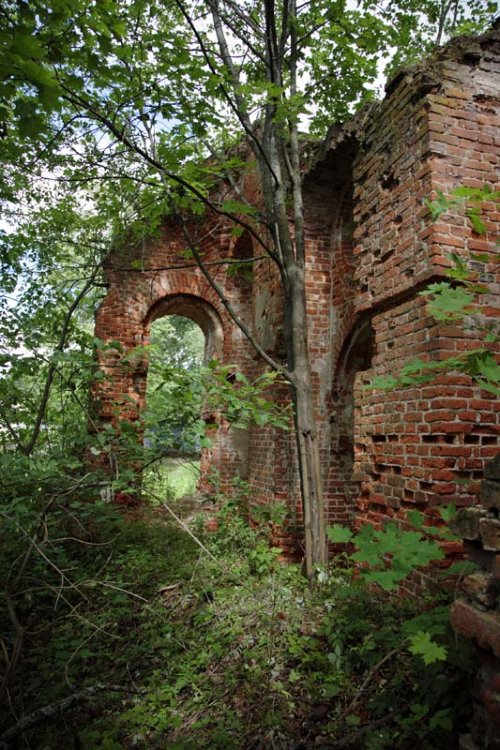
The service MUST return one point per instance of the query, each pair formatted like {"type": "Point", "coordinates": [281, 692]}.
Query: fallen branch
{"type": "Point", "coordinates": [57, 707]}
{"type": "Point", "coordinates": [371, 674]}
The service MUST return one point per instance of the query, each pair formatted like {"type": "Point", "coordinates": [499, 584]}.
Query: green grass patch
{"type": "Point", "coordinates": [172, 478]}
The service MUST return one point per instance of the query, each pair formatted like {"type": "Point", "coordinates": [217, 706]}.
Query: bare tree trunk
{"type": "Point", "coordinates": [277, 151]}
{"type": "Point", "coordinates": [275, 145]}
{"type": "Point", "coordinates": [308, 448]}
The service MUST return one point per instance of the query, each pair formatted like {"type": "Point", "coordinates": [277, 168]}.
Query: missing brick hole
{"type": "Point", "coordinates": [430, 439]}
{"type": "Point", "coordinates": [426, 486]}
{"type": "Point", "coordinates": [489, 440]}
{"type": "Point", "coordinates": [471, 439]}
{"type": "Point", "coordinates": [468, 475]}
{"type": "Point", "coordinates": [421, 507]}
{"type": "Point", "coordinates": [389, 181]}
{"type": "Point", "coordinates": [378, 438]}
{"type": "Point", "coordinates": [386, 255]}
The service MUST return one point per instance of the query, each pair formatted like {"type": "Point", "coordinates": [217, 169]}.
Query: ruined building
{"type": "Point", "coordinates": [372, 246]}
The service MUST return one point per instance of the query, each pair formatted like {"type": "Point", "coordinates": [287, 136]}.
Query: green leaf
{"type": "Point", "coordinates": [447, 512]}
{"type": "Point", "coordinates": [421, 644]}
{"type": "Point", "coordinates": [38, 74]}
{"type": "Point", "coordinates": [339, 534]}
{"type": "Point", "coordinates": [451, 303]}
{"type": "Point", "coordinates": [236, 207]}
{"type": "Point", "coordinates": [476, 221]}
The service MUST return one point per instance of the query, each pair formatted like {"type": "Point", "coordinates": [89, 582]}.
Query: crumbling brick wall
{"type": "Point", "coordinates": [154, 279]}
{"type": "Point", "coordinates": [437, 130]}
{"type": "Point", "coordinates": [475, 613]}
{"type": "Point", "coordinates": [371, 248]}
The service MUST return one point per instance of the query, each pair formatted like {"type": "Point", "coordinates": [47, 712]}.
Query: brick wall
{"type": "Point", "coordinates": [420, 447]}
{"type": "Point", "coordinates": [152, 280]}
{"type": "Point", "coordinates": [475, 613]}
{"type": "Point", "coordinates": [371, 248]}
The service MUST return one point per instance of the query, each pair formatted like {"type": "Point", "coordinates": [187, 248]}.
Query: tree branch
{"type": "Point", "coordinates": [79, 101]}
{"type": "Point", "coordinates": [239, 108]}
{"type": "Point", "coordinates": [27, 450]}
{"type": "Point", "coordinates": [53, 709]}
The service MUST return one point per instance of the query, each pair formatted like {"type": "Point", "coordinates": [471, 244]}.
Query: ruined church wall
{"type": "Point", "coordinates": [371, 248]}
{"type": "Point", "coordinates": [438, 130]}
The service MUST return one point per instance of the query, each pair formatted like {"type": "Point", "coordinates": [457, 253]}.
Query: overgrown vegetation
{"type": "Point", "coordinates": [109, 112]}
{"type": "Point", "coordinates": [166, 642]}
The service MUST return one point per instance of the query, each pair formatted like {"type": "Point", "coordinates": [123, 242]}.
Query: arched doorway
{"type": "Point", "coordinates": [183, 333]}
{"type": "Point", "coordinates": [173, 425]}
{"type": "Point", "coordinates": [356, 357]}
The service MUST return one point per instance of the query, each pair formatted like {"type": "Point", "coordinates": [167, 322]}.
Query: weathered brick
{"type": "Point", "coordinates": [489, 531]}
{"type": "Point", "coordinates": [466, 522]}
{"type": "Point", "coordinates": [481, 587]}
{"type": "Point", "coordinates": [483, 627]}
{"type": "Point", "coordinates": [492, 468]}
{"type": "Point", "coordinates": [370, 247]}
{"type": "Point", "coordinates": [490, 493]}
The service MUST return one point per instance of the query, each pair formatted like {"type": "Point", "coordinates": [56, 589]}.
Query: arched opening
{"type": "Point", "coordinates": [182, 333]}
{"type": "Point", "coordinates": [356, 357]}
{"type": "Point", "coordinates": [174, 399]}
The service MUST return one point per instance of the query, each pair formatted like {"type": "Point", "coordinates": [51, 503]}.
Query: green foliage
{"type": "Point", "coordinates": [387, 556]}
{"type": "Point", "coordinates": [108, 112]}
{"type": "Point", "coordinates": [240, 401]}
{"type": "Point", "coordinates": [174, 397]}
{"type": "Point", "coordinates": [170, 479]}
{"type": "Point", "coordinates": [421, 644]}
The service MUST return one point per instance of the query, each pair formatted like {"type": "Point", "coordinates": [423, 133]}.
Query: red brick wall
{"type": "Point", "coordinates": [136, 296]}
{"type": "Point", "coordinates": [418, 447]}
{"type": "Point", "coordinates": [371, 247]}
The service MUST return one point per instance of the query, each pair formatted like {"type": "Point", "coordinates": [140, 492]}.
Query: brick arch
{"type": "Point", "coordinates": [204, 314]}
{"type": "Point", "coordinates": [198, 310]}
{"type": "Point", "coordinates": [355, 357]}
{"type": "Point", "coordinates": [124, 317]}
{"type": "Point", "coordinates": [136, 297]}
